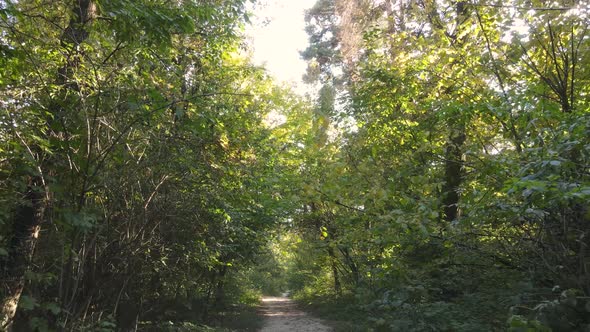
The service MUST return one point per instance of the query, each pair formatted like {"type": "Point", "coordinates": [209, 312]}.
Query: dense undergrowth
{"type": "Point", "coordinates": [447, 298]}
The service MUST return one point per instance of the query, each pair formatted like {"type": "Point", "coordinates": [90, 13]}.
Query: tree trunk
{"type": "Point", "coordinates": [219, 290]}
{"type": "Point", "coordinates": [454, 148]}
{"type": "Point", "coordinates": [26, 226]}
{"type": "Point", "coordinates": [333, 262]}
{"type": "Point", "coordinates": [352, 265]}
{"type": "Point", "coordinates": [453, 172]}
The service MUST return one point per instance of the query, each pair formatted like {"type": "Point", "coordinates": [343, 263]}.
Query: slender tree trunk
{"type": "Point", "coordinates": [453, 171]}
{"type": "Point", "coordinates": [26, 227]}
{"type": "Point", "coordinates": [352, 265]}
{"type": "Point", "coordinates": [219, 290]}
{"type": "Point", "coordinates": [453, 177]}
{"type": "Point", "coordinates": [333, 262]}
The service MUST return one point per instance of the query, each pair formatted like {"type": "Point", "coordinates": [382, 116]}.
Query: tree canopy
{"type": "Point", "coordinates": [438, 180]}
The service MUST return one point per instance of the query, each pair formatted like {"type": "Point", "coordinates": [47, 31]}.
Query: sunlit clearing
{"type": "Point", "coordinates": [275, 299]}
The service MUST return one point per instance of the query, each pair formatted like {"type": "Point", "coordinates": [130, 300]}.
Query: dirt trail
{"type": "Point", "coordinates": [281, 315]}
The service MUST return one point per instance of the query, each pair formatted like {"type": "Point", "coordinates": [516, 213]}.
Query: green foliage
{"type": "Point", "coordinates": [519, 323]}
{"type": "Point", "coordinates": [464, 175]}
{"type": "Point", "coordinates": [438, 182]}
{"type": "Point", "coordinates": [143, 129]}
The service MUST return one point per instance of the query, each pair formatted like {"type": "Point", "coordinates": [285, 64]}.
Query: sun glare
{"type": "Point", "coordinates": [277, 36]}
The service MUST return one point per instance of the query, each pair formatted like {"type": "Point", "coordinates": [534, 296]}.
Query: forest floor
{"type": "Point", "coordinates": [282, 315]}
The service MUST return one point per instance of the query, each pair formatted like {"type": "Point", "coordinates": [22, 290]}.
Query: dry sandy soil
{"type": "Point", "coordinates": [281, 315]}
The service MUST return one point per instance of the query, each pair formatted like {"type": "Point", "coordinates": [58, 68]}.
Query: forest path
{"type": "Point", "coordinates": [281, 315]}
